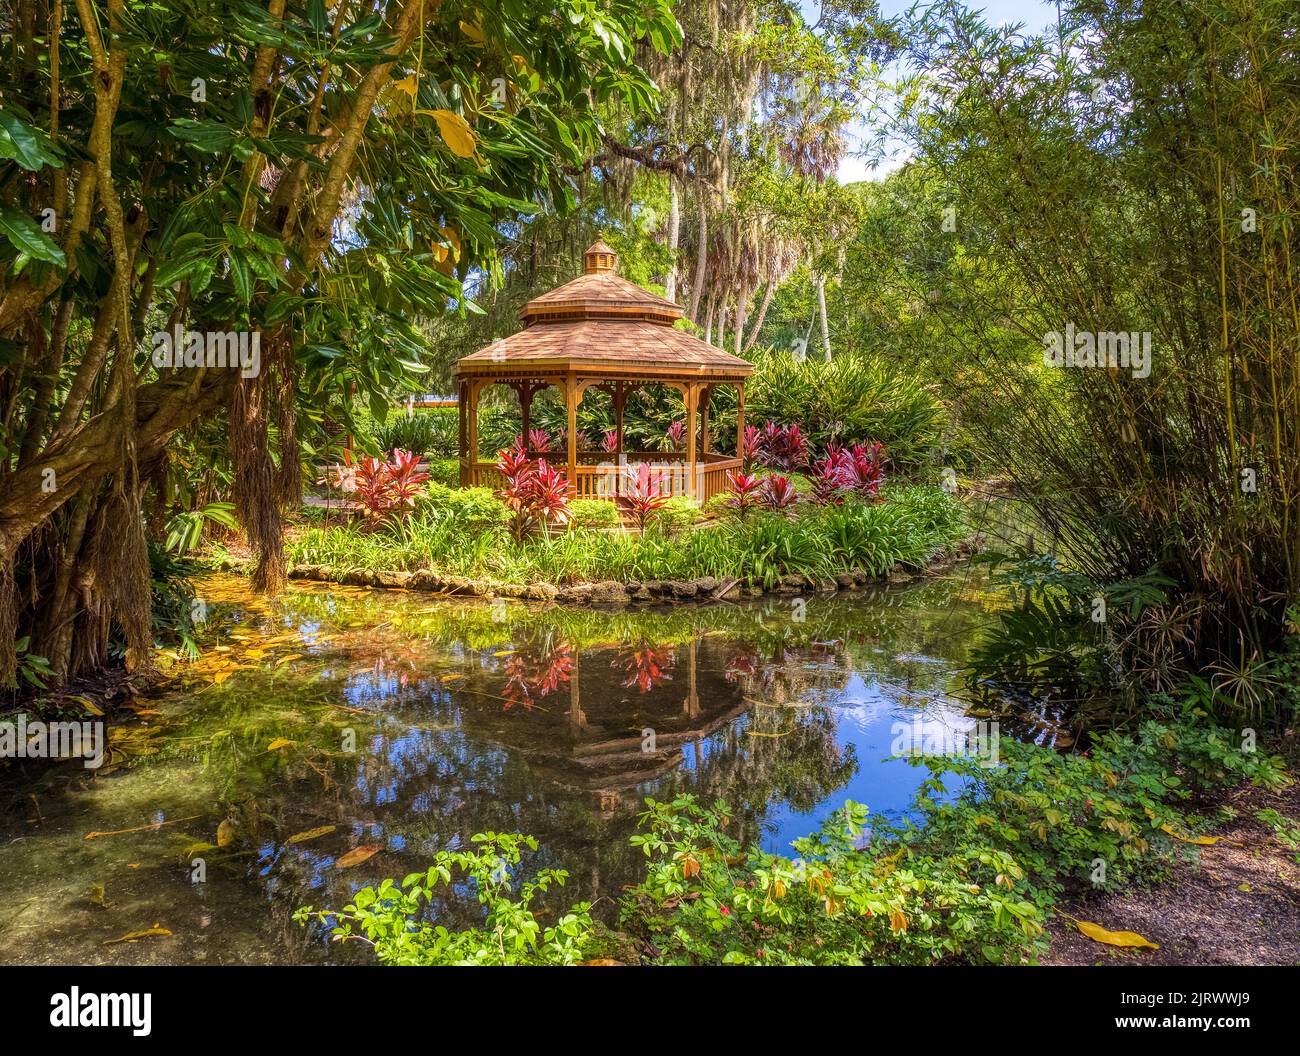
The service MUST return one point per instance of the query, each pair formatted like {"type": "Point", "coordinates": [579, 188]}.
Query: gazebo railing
{"type": "Point", "coordinates": [606, 479]}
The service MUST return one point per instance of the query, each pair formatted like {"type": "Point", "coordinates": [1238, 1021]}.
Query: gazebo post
{"type": "Point", "coordinates": [571, 396]}
{"type": "Point", "coordinates": [706, 397]}
{"type": "Point", "coordinates": [740, 423]}
{"type": "Point", "coordinates": [471, 429]}
{"type": "Point", "coordinates": [620, 401]}
{"type": "Point", "coordinates": [525, 392]}
{"type": "Point", "coordinates": [692, 398]}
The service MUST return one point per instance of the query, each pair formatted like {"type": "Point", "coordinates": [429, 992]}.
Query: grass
{"type": "Point", "coordinates": [462, 532]}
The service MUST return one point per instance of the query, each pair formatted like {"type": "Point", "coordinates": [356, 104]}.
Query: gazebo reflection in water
{"type": "Point", "coordinates": [602, 332]}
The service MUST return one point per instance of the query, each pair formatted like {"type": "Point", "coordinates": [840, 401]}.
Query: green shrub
{"type": "Point", "coordinates": [388, 917]}
{"type": "Point", "coordinates": [594, 513]}
{"type": "Point", "coordinates": [435, 433]}
{"type": "Point", "coordinates": [972, 880]}
{"type": "Point", "coordinates": [850, 400]}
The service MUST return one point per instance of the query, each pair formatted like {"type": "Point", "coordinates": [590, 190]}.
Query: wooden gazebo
{"type": "Point", "coordinates": [601, 331]}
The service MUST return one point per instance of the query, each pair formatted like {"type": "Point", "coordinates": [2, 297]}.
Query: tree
{"type": "Point", "coordinates": [310, 177]}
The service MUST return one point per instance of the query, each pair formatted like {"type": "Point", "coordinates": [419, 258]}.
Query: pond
{"type": "Point", "coordinates": [334, 718]}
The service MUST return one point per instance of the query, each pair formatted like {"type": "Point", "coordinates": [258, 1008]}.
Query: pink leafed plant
{"type": "Point", "coordinates": [539, 440]}
{"type": "Point", "coordinates": [742, 491]}
{"type": "Point", "coordinates": [751, 447]}
{"type": "Point", "coordinates": [535, 493]}
{"type": "Point", "coordinates": [385, 487]}
{"type": "Point", "coordinates": [675, 436]}
{"type": "Point", "coordinates": [777, 493]}
{"type": "Point", "coordinates": [609, 442]}
{"type": "Point", "coordinates": [643, 495]}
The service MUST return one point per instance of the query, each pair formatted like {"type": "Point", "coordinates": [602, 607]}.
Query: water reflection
{"type": "Point", "coordinates": [407, 725]}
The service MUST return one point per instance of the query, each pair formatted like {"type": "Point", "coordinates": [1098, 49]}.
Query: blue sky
{"type": "Point", "coordinates": [1034, 15]}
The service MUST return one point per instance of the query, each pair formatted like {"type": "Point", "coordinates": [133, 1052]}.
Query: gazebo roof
{"type": "Point", "coordinates": [604, 323]}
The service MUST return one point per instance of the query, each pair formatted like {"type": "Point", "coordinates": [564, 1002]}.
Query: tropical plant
{"type": "Point", "coordinates": [777, 493]}
{"type": "Point", "coordinates": [388, 918]}
{"type": "Point", "coordinates": [743, 491]}
{"type": "Point", "coordinates": [643, 494]}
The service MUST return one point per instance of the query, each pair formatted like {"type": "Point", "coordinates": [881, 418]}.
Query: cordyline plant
{"type": "Point", "coordinates": [751, 447]}
{"type": "Point", "coordinates": [536, 493]}
{"type": "Point", "coordinates": [609, 441]}
{"type": "Point", "coordinates": [783, 447]}
{"type": "Point", "coordinates": [675, 436]}
{"type": "Point", "coordinates": [643, 494]}
{"type": "Point", "coordinates": [743, 491]}
{"type": "Point", "coordinates": [386, 488]}
{"type": "Point", "coordinates": [859, 469]}
{"type": "Point", "coordinates": [777, 493]}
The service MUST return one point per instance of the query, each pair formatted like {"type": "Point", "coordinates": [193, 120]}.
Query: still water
{"type": "Point", "coordinates": [335, 718]}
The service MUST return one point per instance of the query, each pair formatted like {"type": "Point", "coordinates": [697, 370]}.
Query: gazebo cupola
{"type": "Point", "coordinates": [602, 331]}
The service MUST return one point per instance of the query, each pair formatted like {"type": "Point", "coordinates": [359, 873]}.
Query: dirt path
{"type": "Point", "coordinates": [1239, 903]}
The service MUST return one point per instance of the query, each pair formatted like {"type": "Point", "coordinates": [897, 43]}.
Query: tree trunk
{"type": "Point", "coordinates": [821, 314]}
{"type": "Point", "coordinates": [701, 259]}
{"type": "Point", "coordinates": [742, 316]}
{"type": "Point", "coordinates": [674, 233]}
{"type": "Point", "coordinates": [762, 315]}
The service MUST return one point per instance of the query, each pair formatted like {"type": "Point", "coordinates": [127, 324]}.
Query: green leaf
{"type": "Point", "coordinates": [26, 145]}
{"type": "Point", "coordinates": [25, 235]}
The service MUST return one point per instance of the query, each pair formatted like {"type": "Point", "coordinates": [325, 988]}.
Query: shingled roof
{"type": "Point", "coordinates": [603, 322]}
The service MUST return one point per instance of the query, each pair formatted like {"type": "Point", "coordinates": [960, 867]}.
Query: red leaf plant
{"type": "Point", "coordinates": [742, 491]}
{"type": "Point", "coordinates": [535, 493]}
{"type": "Point", "coordinates": [647, 666]}
{"type": "Point", "coordinates": [643, 495]}
{"type": "Point", "coordinates": [675, 436]}
{"type": "Point", "coordinates": [534, 677]}
{"type": "Point", "coordinates": [777, 493]}
{"type": "Point", "coordinates": [385, 487]}
{"type": "Point", "coordinates": [751, 447]}
{"type": "Point", "coordinates": [609, 442]}
{"type": "Point", "coordinates": [783, 447]}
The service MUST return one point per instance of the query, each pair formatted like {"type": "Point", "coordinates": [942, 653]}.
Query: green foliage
{"type": "Point", "coordinates": [852, 399]}
{"type": "Point", "coordinates": [389, 917]}
{"type": "Point", "coordinates": [972, 879]}
{"type": "Point", "coordinates": [431, 433]}
{"type": "Point", "coordinates": [462, 532]}
{"type": "Point", "coordinates": [594, 513]}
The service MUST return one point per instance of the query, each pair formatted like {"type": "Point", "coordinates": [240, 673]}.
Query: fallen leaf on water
{"type": "Point", "coordinates": [86, 703]}
{"type": "Point", "coordinates": [277, 744]}
{"type": "Point", "coordinates": [450, 678]}
{"type": "Point", "coordinates": [225, 833]}
{"type": "Point", "coordinates": [131, 936]}
{"type": "Point", "coordinates": [1203, 841]}
{"type": "Point", "coordinates": [286, 659]}
{"type": "Point", "coordinates": [511, 652]}
{"type": "Point", "coordinates": [359, 854]}
{"type": "Point", "coordinates": [310, 834]}
{"type": "Point", "coordinates": [602, 962]}
{"type": "Point", "coordinates": [1097, 933]}
{"type": "Point", "coordinates": [138, 828]}
{"type": "Point", "coordinates": [96, 896]}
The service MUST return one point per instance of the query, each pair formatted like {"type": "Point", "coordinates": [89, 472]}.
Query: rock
{"type": "Point", "coordinates": [707, 585]}
{"type": "Point", "coordinates": [461, 585]}
{"type": "Point", "coordinates": [357, 577]}
{"type": "Point", "coordinates": [899, 574]}
{"type": "Point", "coordinates": [425, 579]}
{"type": "Point", "coordinates": [792, 584]}
{"type": "Point", "coordinates": [540, 591]}
{"type": "Point", "coordinates": [607, 592]}
{"type": "Point", "coordinates": [575, 593]}
{"type": "Point", "coordinates": [682, 588]}
{"type": "Point", "coordinates": [639, 592]}
{"type": "Point", "coordinates": [393, 579]}
{"type": "Point", "coordinates": [846, 581]}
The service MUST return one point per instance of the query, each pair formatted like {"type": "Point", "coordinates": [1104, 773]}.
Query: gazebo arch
{"type": "Point", "coordinates": [602, 331]}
